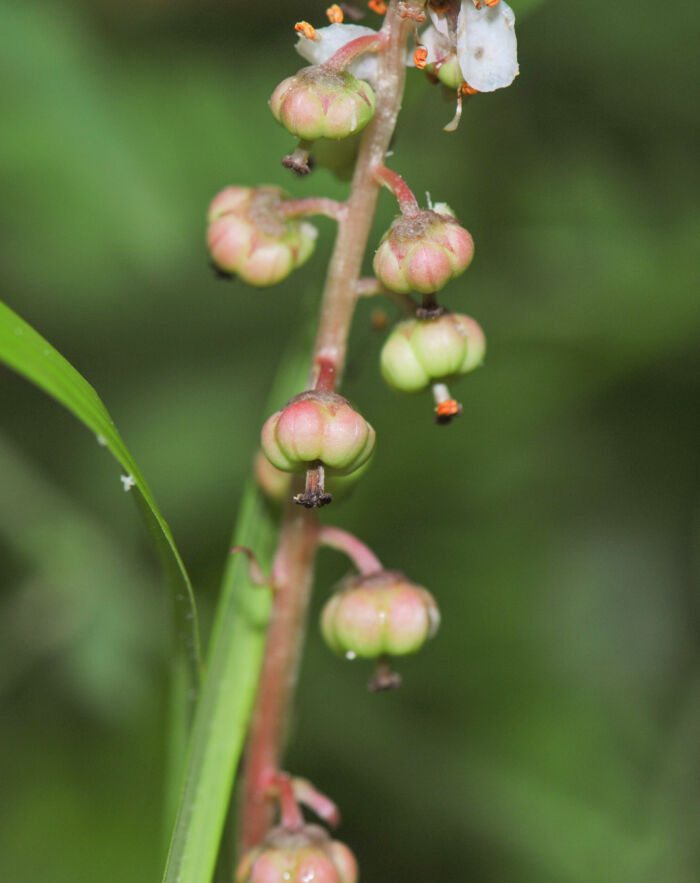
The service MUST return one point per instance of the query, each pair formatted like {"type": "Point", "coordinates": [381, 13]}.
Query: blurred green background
{"type": "Point", "coordinates": [551, 733]}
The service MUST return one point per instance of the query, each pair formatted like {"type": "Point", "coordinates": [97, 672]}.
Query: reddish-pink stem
{"type": "Point", "coordinates": [312, 205]}
{"type": "Point", "coordinates": [352, 50]}
{"type": "Point", "coordinates": [323, 806]}
{"type": "Point", "coordinates": [292, 818]}
{"type": "Point", "coordinates": [326, 373]}
{"type": "Point", "coordinates": [292, 571]}
{"type": "Point", "coordinates": [361, 555]}
{"type": "Point", "coordinates": [403, 193]}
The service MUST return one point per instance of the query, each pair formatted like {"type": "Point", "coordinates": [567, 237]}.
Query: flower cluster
{"type": "Point", "coordinates": [261, 235]}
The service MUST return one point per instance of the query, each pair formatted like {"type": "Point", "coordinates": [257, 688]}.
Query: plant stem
{"type": "Point", "coordinates": [361, 555]}
{"type": "Point", "coordinates": [352, 50]}
{"type": "Point", "coordinates": [293, 567]}
{"type": "Point", "coordinates": [403, 193]}
{"type": "Point", "coordinates": [340, 294]}
{"type": "Point", "coordinates": [292, 573]}
{"type": "Point", "coordinates": [313, 205]}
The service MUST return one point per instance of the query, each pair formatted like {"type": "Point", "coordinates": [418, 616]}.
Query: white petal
{"type": "Point", "coordinates": [438, 46]}
{"type": "Point", "coordinates": [439, 21]}
{"type": "Point", "coordinates": [330, 39]}
{"type": "Point", "coordinates": [486, 45]}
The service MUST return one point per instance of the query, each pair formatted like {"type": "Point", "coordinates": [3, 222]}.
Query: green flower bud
{"type": "Point", "coordinates": [420, 352]}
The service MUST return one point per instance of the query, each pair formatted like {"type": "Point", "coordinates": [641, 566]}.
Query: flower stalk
{"type": "Point", "coordinates": [294, 559]}
{"type": "Point", "coordinates": [361, 555]}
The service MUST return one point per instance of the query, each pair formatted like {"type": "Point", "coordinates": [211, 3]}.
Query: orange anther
{"type": "Point", "coordinates": [306, 30]}
{"type": "Point", "coordinates": [378, 6]}
{"type": "Point", "coordinates": [469, 90]}
{"type": "Point", "coordinates": [492, 2]}
{"type": "Point", "coordinates": [419, 57]}
{"type": "Point", "coordinates": [335, 14]}
{"type": "Point", "coordinates": [448, 408]}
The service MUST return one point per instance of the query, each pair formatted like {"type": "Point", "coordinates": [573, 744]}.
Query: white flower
{"type": "Point", "coordinates": [483, 40]}
{"type": "Point", "coordinates": [327, 41]}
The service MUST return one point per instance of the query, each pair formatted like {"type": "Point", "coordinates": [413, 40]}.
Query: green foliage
{"type": "Point", "coordinates": [26, 351]}
{"type": "Point", "coordinates": [234, 657]}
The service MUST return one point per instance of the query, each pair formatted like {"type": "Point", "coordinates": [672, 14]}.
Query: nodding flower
{"type": "Point", "coordinates": [480, 36]}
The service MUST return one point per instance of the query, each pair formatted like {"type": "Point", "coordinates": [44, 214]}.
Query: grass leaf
{"type": "Point", "coordinates": [233, 663]}
{"type": "Point", "coordinates": [30, 355]}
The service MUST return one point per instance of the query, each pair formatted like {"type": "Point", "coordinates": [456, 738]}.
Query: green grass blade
{"type": "Point", "coordinates": [26, 352]}
{"type": "Point", "coordinates": [233, 664]}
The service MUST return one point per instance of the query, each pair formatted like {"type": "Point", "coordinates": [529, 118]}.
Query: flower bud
{"type": "Point", "coordinates": [419, 352]}
{"type": "Point", "coordinates": [318, 427]}
{"type": "Point", "coordinates": [321, 103]}
{"type": "Point", "coordinates": [248, 237]}
{"type": "Point", "coordinates": [382, 613]}
{"type": "Point", "coordinates": [298, 857]}
{"type": "Point", "coordinates": [447, 71]}
{"type": "Point", "coordinates": [422, 252]}
{"type": "Point", "coordinates": [272, 482]}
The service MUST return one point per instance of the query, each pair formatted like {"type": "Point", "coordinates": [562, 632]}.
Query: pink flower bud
{"type": "Point", "coordinates": [248, 237]}
{"type": "Point", "coordinates": [304, 856]}
{"type": "Point", "coordinates": [321, 103]}
{"type": "Point", "coordinates": [419, 352]}
{"type": "Point", "coordinates": [379, 614]}
{"type": "Point", "coordinates": [422, 252]}
{"type": "Point", "coordinates": [318, 427]}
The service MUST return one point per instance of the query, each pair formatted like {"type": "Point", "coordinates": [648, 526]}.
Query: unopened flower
{"type": "Point", "coordinates": [248, 237]}
{"type": "Point", "coordinates": [307, 855]}
{"type": "Point", "coordinates": [379, 614]}
{"type": "Point", "coordinates": [318, 427]}
{"type": "Point", "coordinates": [479, 37]}
{"type": "Point", "coordinates": [420, 352]}
{"type": "Point", "coordinates": [423, 251]}
{"type": "Point", "coordinates": [318, 102]}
